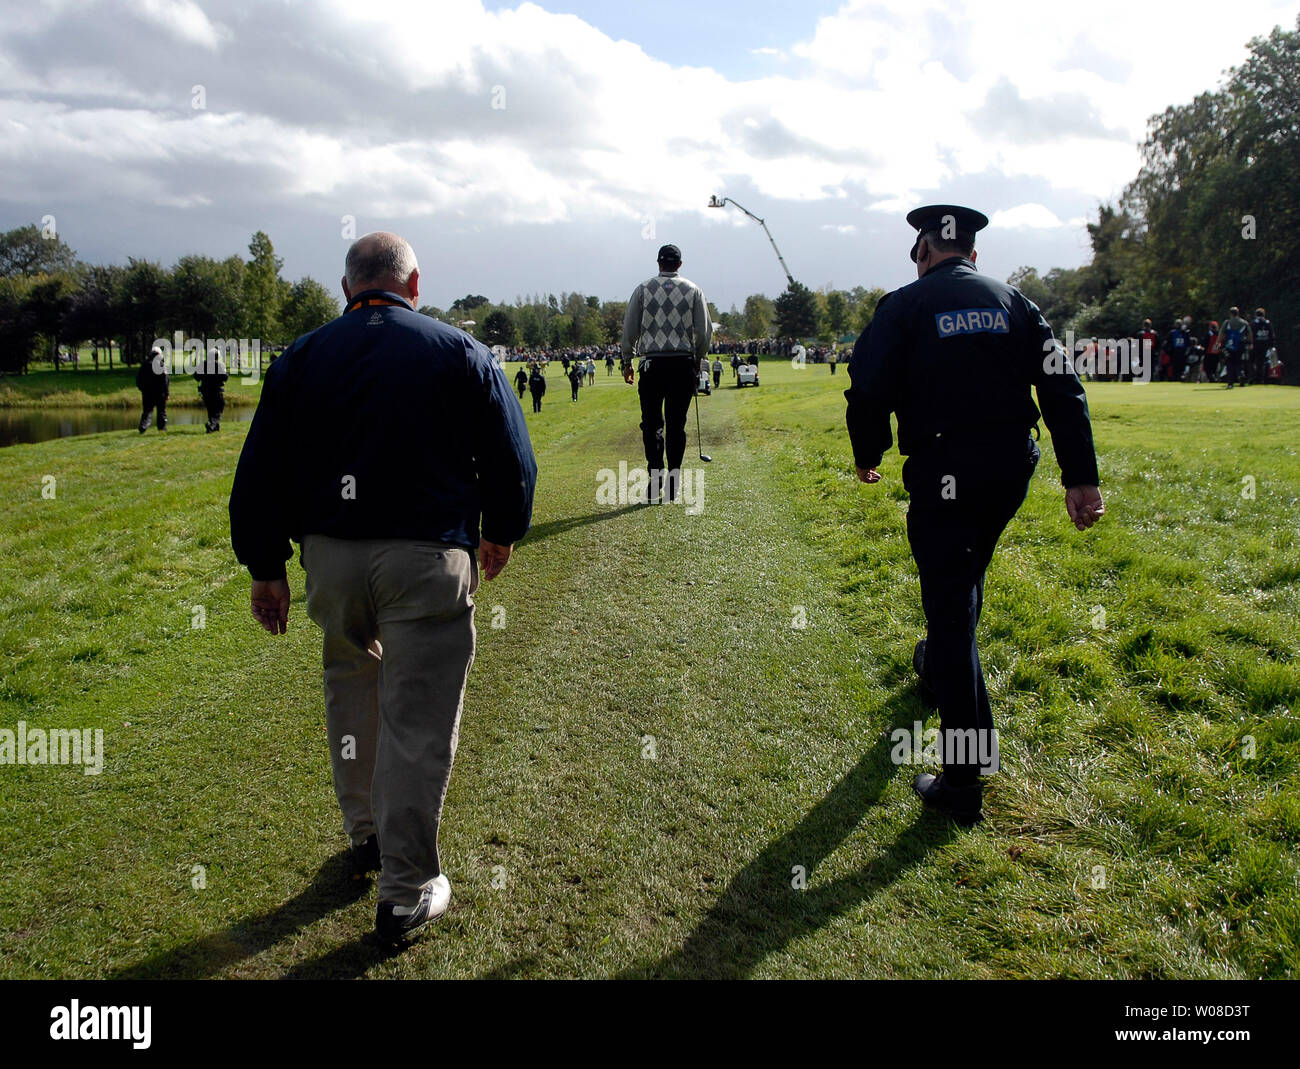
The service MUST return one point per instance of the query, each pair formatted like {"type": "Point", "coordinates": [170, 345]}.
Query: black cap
{"type": "Point", "coordinates": [960, 222]}
{"type": "Point", "coordinates": [670, 254]}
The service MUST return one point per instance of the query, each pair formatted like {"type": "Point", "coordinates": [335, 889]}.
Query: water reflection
{"type": "Point", "coordinates": [40, 425]}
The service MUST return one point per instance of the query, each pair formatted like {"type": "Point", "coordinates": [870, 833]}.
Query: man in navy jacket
{"type": "Point", "coordinates": [381, 442]}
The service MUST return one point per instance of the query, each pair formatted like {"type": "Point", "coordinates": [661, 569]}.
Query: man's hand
{"type": "Point", "coordinates": [271, 604]}
{"type": "Point", "coordinates": [492, 558]}
{"type": "Point", "coordinates": [1084, 505]}
{"type": "Point", "coordinates": [868, 475]}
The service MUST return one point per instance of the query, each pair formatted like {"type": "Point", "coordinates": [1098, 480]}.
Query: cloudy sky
{"type": "Point", "coordinates": [546, 147]}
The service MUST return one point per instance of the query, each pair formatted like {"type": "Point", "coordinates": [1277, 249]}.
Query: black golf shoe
{"type": "Point", "coordinates": [963, 804]}
{"type": "Point", "coordinates": [365, 858]}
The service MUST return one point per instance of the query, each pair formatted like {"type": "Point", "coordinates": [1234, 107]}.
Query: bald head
{"type": "Point", "coordinates": [381, 261]}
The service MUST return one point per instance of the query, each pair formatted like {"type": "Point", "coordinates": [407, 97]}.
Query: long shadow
{"type": "Point", "coordinates": [760, 912]}
{"type": "Point", "coordinates": [553, 527]}
{"type": "Point", "coordinates": [330, 890]}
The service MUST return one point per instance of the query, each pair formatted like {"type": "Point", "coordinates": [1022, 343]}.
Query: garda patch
{"type": "Point", "coordinates": [972, 321]}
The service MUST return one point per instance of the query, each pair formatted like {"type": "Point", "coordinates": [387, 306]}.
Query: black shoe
{"type": "Point", "coordinates": [365, 858]}
{"type": "Point", "coordinates": [918, 662]}
{"type": "Point", "coordinates": [394, 928]}
{"type": "Point", "coordinates": [963, 804]}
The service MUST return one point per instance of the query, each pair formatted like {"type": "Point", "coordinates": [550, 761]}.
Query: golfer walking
{"type": "Point", "coordinates": [381, 442]}
{"type": "Point", "coordinates": [667, 323]}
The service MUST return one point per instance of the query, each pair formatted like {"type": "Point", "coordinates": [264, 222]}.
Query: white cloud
{"type": "Point", "coordinates": [1026, 217]}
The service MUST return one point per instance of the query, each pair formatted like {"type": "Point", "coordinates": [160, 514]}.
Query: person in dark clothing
{"type": "Point", "coordinates": [211, 375]}
{"type": "Point", "coordinates": [1261, 341]}
{"type": "Point", "coordinates": [154, 384]}
{"type": "Point", "coordinates": [1177, 347]}
{"type": "Point", "coordinates": [521, 382]}
{"type": "Point", "coordinates": [575, 379]}
{"type": "Point", "coordinates": [537, 387]}
{"type": "Point", "coordinates": [386, 443]}
{"type": "Point", "coordinates": [966, 434]}
{"type": "Point", "coordinates": [1213, 346]}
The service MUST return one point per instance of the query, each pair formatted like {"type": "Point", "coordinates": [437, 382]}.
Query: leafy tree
{"type": "Point", "coordinates": [837, 313]}
{"type": "Point", "coordinates": [26, 252]}
{"type": "Point", "coordinates": [796, 312]}
{"type": "Point", "coordinates": [612, 314]}
{"type": "Point", "coordinates": [139, 307]}
{"type": "Point", "coordinates": [308, 306]}
{"type": "Point", "coordinates": [759, 315]}
{"type": "Point", "coordinates": [499, 328]}
{"type": "Point", "coordinates": [262, 294]}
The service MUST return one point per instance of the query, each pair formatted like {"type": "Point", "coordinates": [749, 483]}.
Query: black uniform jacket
{"type": "Point", "coordinates": [955, 354]}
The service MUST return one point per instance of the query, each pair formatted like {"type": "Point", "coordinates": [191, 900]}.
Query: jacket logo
{"type": "Point", "coordinates": [972, 321]}
{"type": "Point", "coordinates": [375, 320]}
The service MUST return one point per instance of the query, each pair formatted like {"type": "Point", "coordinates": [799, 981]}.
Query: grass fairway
{"type": "Point", "coordinates": [653, 754]}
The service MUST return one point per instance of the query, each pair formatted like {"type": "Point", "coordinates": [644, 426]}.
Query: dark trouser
{"type": "Point", "coordinates": [1179, 366]}
{"type": "Point", "coordinates": [148, 403]}
{"type": "Point", "coordinates": [215, 402]}
{"type": "Point", "coordinates": [537, 402]}
{"type": "Point", "coordinates": [575, 391]}
{"type": "Point", "coordinates": [1257, 363]}
{"type": "Point", "coordinates": [833, 367]}
{"type": "Point", "coordinates": [961, 502]}
{"type": "Point", "coordinates": [667, 386]}
{"type": "Point", "coordinates": [717, 379]}
{"type": "Point", "coordinates": [1234, 368]}
{"type": "Point", "coordinates": [521, 392]}
{"type": "Point", "coordinates": [1210, 365]}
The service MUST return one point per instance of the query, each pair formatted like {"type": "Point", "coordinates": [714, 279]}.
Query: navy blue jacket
{"type": "Point", "coordinates": [383, 423]}
{"type": "Point", "coordinates": [955, 354]}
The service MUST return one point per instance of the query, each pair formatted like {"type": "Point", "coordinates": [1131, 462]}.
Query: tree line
{"type": "Point", "coordinates": [1209, 222]}
{"type": "Point", "coordinates": [49, 298]}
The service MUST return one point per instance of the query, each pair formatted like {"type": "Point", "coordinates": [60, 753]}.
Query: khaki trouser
{"type": "Point", "coordinates": [392, 711]}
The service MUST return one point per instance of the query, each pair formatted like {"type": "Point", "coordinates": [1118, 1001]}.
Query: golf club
{"type": "Point", "coordinates": [698, 440]}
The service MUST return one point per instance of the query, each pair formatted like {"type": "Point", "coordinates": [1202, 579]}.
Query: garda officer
{"type": "Point", "coordinates": [537, 387]}
{"type": "Point", "coordinates": [153, 382]}
{"type": "Point", "coordinates": [211, 375]}
{"type": "Point", "coordinates": [667, 322]}
{"type": "Point", "coordinates": [955, 354]}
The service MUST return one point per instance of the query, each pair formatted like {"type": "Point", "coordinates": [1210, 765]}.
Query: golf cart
{"type": "Point", "coordinates": [747, 375]}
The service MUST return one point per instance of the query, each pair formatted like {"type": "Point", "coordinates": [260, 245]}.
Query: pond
{"type": "Point", "coordinates": [19, 425]}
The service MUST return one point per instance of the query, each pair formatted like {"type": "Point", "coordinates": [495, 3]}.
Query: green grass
{"type": "Point", "coordinates": [631, 630]}
{"type": "Point", "coordinates": [88, 388]}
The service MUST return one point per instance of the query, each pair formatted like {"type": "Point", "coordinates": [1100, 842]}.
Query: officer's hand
{"type": "Point", "coordinates": [1084, 505]}
{"type": "Point", "coordinates": [492, 558]}
{"type": "Point", "coordinates": [271, 604]}
{"type": "Point", "coordinates": [868, 475]}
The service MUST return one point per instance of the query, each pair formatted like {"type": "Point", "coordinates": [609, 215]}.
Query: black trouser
{"type": "Point", "coordinates": [1179, 366]}
{"type": "Point", "coordinates": [148, 403]}
{"type": "Point", "coordinates": [667, 386]}
{"type": "Point", "coordinates": [215, 402]}
{"type": "Point", "coordinates": [961, 502]}
{"type": "Point", "coordinates": [575, 390]}
{"type": "Point", "coordinates": [1210, 365]}
{"type": "Point", "coordinates": [1234, 367]}
{"type": "Point", "coordinates": [717, 378]}
{"type": "Point", "coordinates": [537, 401]}
{"type": "Point", "coordinates": [1257, 363]}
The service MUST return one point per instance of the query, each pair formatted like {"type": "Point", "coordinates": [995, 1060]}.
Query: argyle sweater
{"type": "Point", "coordinates": [667, 314]}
